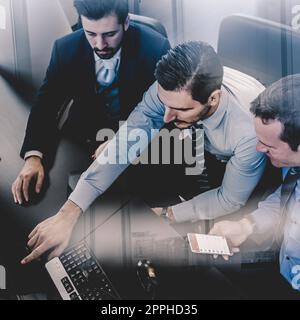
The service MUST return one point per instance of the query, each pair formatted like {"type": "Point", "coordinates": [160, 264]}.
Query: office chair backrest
{"type": "Point", "coordinates": [261, 48]}
{"type": "Point", "coordinates": [146, 21]}
{"type": "Point", "coordinates": [31, 28]}
{"type": "Point", "coordinates": [149, 22]}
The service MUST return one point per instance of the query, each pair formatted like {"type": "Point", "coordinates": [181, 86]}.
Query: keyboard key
{"type": "Point", "coordinates": [74, 296]}
{"type": "Point", "coordinates": [67, 284]}
{"type": "Point", "coordinates": [88, 256]}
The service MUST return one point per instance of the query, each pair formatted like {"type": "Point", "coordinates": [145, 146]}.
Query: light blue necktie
{"type": "Point", "coordinates": [107, 73]}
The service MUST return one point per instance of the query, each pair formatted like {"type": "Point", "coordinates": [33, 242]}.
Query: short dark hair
{"type": "Point", "coordinates": [281, 101]}
{"type": "Point", "coordinates": [193, 66]}
{"type": "Point", "coordinates": [97, 9]}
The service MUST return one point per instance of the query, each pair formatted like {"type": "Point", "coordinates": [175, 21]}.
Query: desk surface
{"type": "Point", "coordinates": [121, 230]}
{"type": "Point", "coordinates": [125, 231]}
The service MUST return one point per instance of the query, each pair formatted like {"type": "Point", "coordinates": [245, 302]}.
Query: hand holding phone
{"type": "Point", "coordinates": [208, 244]}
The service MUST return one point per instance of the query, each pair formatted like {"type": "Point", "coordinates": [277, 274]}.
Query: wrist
{"type": "Point", "coordinates": [33, 159]}
{"type": "Point", "coordinates": [70, 211]}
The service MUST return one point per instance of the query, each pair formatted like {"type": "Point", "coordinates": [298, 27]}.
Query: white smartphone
{"type": "Point", "coordinates": [207, 244]}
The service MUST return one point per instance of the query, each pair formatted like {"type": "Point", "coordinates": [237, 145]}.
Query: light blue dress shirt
{"type": "Point", "coordinates": [230, 135]}
{"type": "Point", "coordinates": [267, 221]}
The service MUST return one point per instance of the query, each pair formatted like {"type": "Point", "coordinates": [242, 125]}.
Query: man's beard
{"type": "Point", "coordinates": [108, 53]}
{"type": "Point", "coordinates": [182, 124]}
{"type": "Point", "coordinates": [105, 54]}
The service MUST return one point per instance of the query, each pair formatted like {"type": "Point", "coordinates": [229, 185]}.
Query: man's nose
{"type": "Point", "coordinates": [100, 43]}
{"type": "Point", "coordinates": [170, 115]}
{"type": "Point", "coordinates": [261, 148]}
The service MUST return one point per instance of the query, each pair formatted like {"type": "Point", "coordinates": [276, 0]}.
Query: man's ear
{"type": "Point", "coordinates": [126, 24]}
{"type": "Point", "coordinates": [214, 98]}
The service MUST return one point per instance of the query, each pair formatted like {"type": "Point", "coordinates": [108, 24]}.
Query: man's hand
{"type": "Point", "coordinates": [236, 232]}
{"type": "Point", "coordinates": [33, 169]}
{"type": "Point", "coordinates": [53, 233]}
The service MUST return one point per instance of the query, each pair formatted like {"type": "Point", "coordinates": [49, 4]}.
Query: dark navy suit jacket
{"type": "Point", "coordinates": [71, 75]}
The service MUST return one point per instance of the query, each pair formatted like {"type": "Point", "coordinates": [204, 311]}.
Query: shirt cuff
{"type": "Point", "coordinates": [84, 195]}
{"type": "Point", "coordinates": [184, 212]}
{"type": "Point", "coordinates": [33, 153]}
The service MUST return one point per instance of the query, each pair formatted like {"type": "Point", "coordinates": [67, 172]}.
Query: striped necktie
{"type": "Point", "coordinates": [197, 133]}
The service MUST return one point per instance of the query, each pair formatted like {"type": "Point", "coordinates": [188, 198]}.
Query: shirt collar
{"type": "Point", "coordinates": [214, 120]}
{"type": "Point", "coordinates": [285, 170]}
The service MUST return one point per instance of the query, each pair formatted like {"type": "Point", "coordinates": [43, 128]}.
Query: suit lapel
{"type": "Point", "coordinates": [86, 68]}
{"type": "Point", "coordinates": [129, 65]}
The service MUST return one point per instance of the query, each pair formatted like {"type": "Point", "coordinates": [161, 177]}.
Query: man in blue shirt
{"type": "Point", "coordinates": [277, 124]}
{"type": "Point", "coordinates": [193, 89]}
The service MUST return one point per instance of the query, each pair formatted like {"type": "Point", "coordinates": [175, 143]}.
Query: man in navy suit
{"type": "Point", "coordinates": [96, 76]}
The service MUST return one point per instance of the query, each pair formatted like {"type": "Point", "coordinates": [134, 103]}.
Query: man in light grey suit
{"type": "Point", "coordinates": [191, 90]}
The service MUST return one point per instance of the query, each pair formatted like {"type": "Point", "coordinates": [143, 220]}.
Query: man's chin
{"type": "Point", "coordinates": [277, 164]}
{"type": "Point", "coordinates": [182, 125]}
{"type": "Point", "coordinates": [105, 56]}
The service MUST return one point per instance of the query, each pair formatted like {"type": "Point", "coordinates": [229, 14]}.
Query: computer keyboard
{"type": "Point", "coordinates": [78, 276]}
